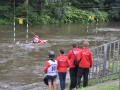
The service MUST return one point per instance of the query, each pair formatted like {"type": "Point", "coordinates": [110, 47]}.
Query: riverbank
{"type": "Point", "coordinates": [104, 84]}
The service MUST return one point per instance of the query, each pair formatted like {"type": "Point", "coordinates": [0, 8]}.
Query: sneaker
{"type": "Point", "coordinates": [69, 89]}
{"type": "Point", "coordinates": [74, 89]}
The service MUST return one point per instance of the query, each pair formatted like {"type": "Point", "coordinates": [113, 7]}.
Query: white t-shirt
{"type": "Point", "coordinates": [52, 70]}
{"type": "Point", "coordinates": [36, 40]}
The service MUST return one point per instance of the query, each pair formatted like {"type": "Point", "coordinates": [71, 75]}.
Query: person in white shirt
{"type": "Point", "coordinates": [51, 70]}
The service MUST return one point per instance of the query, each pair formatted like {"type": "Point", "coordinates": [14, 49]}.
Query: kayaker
{"type": "Point", "coordinates": [36, 39]}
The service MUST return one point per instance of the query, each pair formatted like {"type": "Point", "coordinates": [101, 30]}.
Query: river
{"type": "Point", "coordinates": [21, 65]}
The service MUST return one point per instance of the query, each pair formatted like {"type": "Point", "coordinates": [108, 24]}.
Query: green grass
{"type": "Point", "coordinates": [108, 87]}
{"type": "Point", "coordinates": [93, 82]}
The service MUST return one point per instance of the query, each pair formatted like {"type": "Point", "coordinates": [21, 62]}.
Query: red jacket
{"type": "Point", "coordinates": [63, 63]}
{"type": "Point", "coordinates": [46, 67]}
{"type": "Point", "coordinates": [71, 56]}
{"type": "Point", "coordinates": [85, 58]}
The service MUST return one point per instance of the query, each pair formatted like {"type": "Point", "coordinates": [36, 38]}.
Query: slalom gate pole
{"type": "Point", "coordinates": [14, 29]}
{"type": "Point", "coordinates": [27, 34]}
{"type": "Point", "coordinates": [21, 22]}
{"type": "Point", "coordinates": [87, 24]}
{"type": "Point", "coordinates": [96, 25]}
{"type": "Point", "coordinates": [27, 26]}
{"type": "Point", "coordinates": [96, 30]}
{"type": "Point", "coordinates": [14, 20]}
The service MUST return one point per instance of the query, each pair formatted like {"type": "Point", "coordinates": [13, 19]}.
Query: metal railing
{"type": "Point", "coordinates": [106, 60]}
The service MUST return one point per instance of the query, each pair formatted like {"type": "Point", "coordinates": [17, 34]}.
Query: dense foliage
{"type": "Point", "coordinates": [59, 11]}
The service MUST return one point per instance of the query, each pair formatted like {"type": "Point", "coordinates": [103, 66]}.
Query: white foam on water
{"type": "Point", "coordinates": [21, 86]}
{"type": "Point", "coordinates": [108, 29]}
{"type": "Point", "coordinates": [30, 46]}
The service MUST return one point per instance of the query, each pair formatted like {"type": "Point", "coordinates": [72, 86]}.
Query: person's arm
{"type": "Point", "coordinates": [69, 55]}
{"type": "Point", "coordinates": [57, 59]}
{"type": "Point", "coordinates": [46, 67]}
{"type": "Point", "coordinates": [79, 57]}
{"type": "Point", "coordinates": [68, 62]}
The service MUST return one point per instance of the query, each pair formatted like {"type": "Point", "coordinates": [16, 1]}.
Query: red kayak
{"type": "Point", "coordinates": [41, 42]}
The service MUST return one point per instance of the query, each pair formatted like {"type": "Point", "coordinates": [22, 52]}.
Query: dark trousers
{"type": "Point", "coordinates": [82, 72]}
{"type": "Point", "coordinates": [73, 77]}
{"type": "Point", "coordinates": [62, 78]}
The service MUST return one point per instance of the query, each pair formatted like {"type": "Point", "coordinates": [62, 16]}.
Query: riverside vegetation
{"type": "Point", "coordinates": [59, 11]}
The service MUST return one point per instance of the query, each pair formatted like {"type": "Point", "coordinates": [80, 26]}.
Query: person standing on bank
{"type": "Point", "coordinates": [51, 70]}
{"type": "Point", "coordinates": [63, 64]}
{"type": "Point", "coordinates": [85, 62]}
{"type": "Point", "coordinates": [72, 54]}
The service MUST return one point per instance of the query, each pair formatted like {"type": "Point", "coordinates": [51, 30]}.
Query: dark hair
{"type": "Point", "coordinates": [74, 44]}
{"type": "Point", "coordinates": [61, 51]}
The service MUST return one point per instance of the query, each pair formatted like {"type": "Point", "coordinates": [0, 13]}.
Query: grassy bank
{"type": "Point", "coordinates": [114, 86]}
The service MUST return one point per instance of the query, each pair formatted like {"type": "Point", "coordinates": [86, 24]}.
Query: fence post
{"type": "Point", "coordinates": [105, 58]}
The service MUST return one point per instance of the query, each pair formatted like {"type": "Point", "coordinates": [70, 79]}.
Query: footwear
{"type": "Point", "coordinates": [69, 89]}
{"type": "Point", "coordinates": [74, 89]}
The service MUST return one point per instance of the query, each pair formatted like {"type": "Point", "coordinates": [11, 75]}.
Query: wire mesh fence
{"type": "Point", "coordinates": [106, 60]}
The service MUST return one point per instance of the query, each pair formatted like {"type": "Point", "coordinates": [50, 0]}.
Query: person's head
{"type": "Point", "coordinates": [51, 55]}
{"type": "Point", "coordinates": [74, 45]}
{"type": "Point", "coordinates": [61, 51]}
{"type": "Point", "coordinates": [36, 36]}
{"type": "Point", "coordinates": [85, 44]}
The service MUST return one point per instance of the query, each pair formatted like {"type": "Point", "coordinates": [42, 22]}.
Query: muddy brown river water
{"type": "Point", "coordinates": [21, 65]}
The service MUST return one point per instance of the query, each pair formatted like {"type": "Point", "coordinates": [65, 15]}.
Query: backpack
{"type": "Point", "coordinates": [75, 60]}
{"type": "Point", "coordinates": [76, 63]}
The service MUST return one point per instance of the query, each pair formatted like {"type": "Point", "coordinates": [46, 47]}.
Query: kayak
{"type": "Point", "coordinates": [42, 42]}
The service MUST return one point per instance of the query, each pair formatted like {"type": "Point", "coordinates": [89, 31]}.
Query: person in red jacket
{"type": "Point", "coordinates": [63, 64]}
{"type": "Point", "coordinates": [72, 54]}
{"type": "Point", "coordinates": [85, 62]}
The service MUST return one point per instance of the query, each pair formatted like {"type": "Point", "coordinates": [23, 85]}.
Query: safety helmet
{"type": "Point", "coordinates": [51, 55]}
{"type": "Point", "coordinates": [36, 36]}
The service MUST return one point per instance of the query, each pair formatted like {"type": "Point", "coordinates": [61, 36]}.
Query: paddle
{"type": "Point", "coordinates": [33, 33]}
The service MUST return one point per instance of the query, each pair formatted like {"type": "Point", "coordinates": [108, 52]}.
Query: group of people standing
{"type": "Point", "coordinates": [62, 62]}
